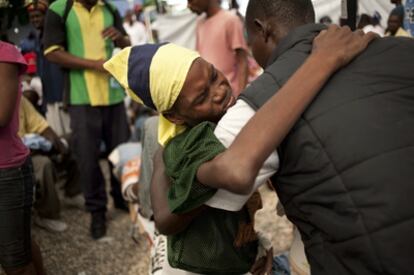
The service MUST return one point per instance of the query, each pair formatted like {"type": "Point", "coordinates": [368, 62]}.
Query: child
{"type": "Point", "coordinates": [187, 91]}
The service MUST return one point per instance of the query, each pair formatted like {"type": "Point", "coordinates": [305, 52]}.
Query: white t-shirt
{"type": "Point", "coordinates": [227, 129]}
{"type": "Point", "coordinates": [137, 33]}
{"type": "Point", "coordinates": [377, 29]}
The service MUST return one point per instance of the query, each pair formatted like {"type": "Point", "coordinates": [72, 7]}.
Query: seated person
{"type": "Point", "coordinates": [47, 204]}
{"type": "Point", "coordinates": [395, 25]}
{"type": "Point", "coordinates": [190, 92]}
{"type": "Point", "coordinates": [33, 98]}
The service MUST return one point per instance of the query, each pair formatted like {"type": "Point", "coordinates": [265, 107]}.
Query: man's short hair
{"type": "Point", "coordinates": [288, 13]}
{"type": "Point", "coordinates": [398, 12]}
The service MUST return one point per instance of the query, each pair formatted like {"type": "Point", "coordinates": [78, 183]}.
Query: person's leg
{"type": "Point", "coordinates": [16, 197]}
{"type": "Point", "coordinates": [37, 258]}
{"type": "Point", "coordinates": [25, 270]}
{"type": "Point", "coordinates": [64, 119]}
{"type": "Point", "coordinates": [86, 124]}
{"type": "Point", "coordinates": [71, 176]}
{"type": "Point", "coordinates": [47, 203]}
{"type": "Point", "coordinates": [52, 117]}
{"type": "Point", "coordinates": [68, 172]}
{"type": "Point", "coordinates": [36, 255]}
{"type": "Point", "coordinates": [116, 131]}
{"type": "Point", "coordinates": [57, 118]}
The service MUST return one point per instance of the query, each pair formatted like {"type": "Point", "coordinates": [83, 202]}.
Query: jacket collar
{"type": "Point", "coordinates": [297, 35]}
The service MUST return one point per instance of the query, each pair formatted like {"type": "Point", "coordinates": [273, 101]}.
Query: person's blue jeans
{"type": "Point", "coordinates": [16, 199]}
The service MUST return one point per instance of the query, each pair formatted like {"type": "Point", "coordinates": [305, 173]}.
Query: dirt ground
{"type": "Point", "coordinates": [73, 252]}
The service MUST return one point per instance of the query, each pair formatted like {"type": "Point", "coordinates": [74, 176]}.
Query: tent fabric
{"type": "Point", "coordinates": [177, 28]}
{"type": "Point", "coordinates": [333, 8]}
{"type": "Point", "coordinates": [180, 28]}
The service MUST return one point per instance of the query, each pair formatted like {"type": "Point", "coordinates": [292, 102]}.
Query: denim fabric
{"type": "Point", "coordinates": [37, 142]}
{"type": "Point", "coordinates": [280, 265]}
{"type": "Point", "coordinates": [16, 199]}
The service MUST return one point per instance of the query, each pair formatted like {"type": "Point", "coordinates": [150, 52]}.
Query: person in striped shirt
{"type": "Point", "coordinates": [80, 35]}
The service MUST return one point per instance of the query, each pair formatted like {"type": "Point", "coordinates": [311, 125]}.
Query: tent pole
{"type": "Point", "coordinates": [350, 7]}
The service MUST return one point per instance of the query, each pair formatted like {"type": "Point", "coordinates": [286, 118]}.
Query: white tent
{"type": "Point", "coordinates": [333, 8]}
{"type": "Point", "coordinates": [179, 28]}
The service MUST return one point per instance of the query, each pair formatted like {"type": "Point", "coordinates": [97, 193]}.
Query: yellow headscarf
{"type": "Point", "coordinates": [153, 75]}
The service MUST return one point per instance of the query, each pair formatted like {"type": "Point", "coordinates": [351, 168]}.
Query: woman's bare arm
{"type": "Point", "coordinates": [70, 61]}
{"type": "Point", "coordinates": [9, 87]}
{"type": "Point", "coordinates": [166, 222]}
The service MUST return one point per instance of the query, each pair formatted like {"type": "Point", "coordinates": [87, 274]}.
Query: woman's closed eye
{"type": "Point", "coordinates": [201, 98]}
{"type": "Point", "coordinates": [204, 94]}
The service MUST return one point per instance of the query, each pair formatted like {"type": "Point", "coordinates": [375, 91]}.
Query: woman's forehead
{"type": "Point", "coordinates": [195, 83]}
{"type": "Point", "coordinates": [198, 74]}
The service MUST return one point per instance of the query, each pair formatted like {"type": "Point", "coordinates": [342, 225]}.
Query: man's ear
{"type": "Point", "coordinates": [263, 28]}
{"type": "Point", "coordinates": [174, 118]}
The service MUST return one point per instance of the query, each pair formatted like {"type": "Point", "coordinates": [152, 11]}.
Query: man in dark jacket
{"type": "Point", "coordinates": [346, 168]}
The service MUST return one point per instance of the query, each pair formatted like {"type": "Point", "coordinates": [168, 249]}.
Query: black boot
{"type": "Point", "coordinates": [98, 225]}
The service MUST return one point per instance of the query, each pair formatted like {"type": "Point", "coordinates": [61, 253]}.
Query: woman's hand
{"type": "Point", "coordinates": [339, 45]}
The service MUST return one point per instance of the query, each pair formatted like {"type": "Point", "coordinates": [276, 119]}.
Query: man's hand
{"type": "Point", "coordinates": [58, 145]}
{"type": "Point", "coordinates": [112, 33]}
{"type": "Point", "coordinates": [116, 36]}
{"type": "Point", "coordinates": [340, 45]}
{"type": "Point", "coordinates": [97, 65]}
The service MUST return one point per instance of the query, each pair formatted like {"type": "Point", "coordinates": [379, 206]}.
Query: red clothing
{"type": "Point", "coordinates": [13, 152]}
{"type": "Point", "coordinates": [218, 37]}
{"type": "Point", "coordinates": [30, 58]}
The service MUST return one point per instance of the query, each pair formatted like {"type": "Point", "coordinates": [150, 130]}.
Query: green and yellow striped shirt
{"type": "Point", "coordinates": [81, 35]}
